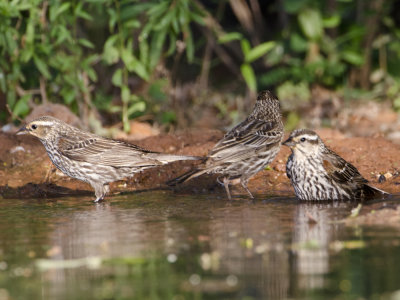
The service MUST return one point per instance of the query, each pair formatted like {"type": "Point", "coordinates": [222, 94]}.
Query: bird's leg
{"type": "Point", "coordinates": [106, 188]}
{"type": "Point", "coordinates": [244, 182]}
{"type": "Point", "coordinates": [101, 190]}
{"type": "Point", "coordinates": [226, 185]}
{"type": "Point", "coordinates": [48, 173]}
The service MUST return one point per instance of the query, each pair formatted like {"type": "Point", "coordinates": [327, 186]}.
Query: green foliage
{"type": "Point", "coordinates": [250, 54]}
{"type": "Point", "coordinates": [106, 54]}
{"type": "Point", "coordinates": [48, 45]}
{"type": "Point", "coordinates": [164, 22]}
{"type": "Point", "coordinates": [39, 43]}
{"type": "Point", "coordinates": [310, 22]}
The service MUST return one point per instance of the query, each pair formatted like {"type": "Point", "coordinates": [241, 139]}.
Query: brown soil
{"type": "Point", "coordinates": [26, 171]}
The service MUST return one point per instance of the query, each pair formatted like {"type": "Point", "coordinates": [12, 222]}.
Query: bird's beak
{"type": "Point", "coordinates": [23, 130]}
{"type": "Point", "coordinates": [289, 142]}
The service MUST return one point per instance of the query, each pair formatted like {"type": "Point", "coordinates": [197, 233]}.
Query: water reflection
{"type": "Point", "coordinates": [315, 228]}
{"type": "Point", "coordinates": [158, 246]}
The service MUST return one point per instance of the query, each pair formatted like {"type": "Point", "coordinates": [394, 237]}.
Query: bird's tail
{"type": "Point", "coordinates": [373, 192]}
{"type": "Point", "coordinates": [167, 158]}
{"type": "Point", "coordinates": [185, 177]}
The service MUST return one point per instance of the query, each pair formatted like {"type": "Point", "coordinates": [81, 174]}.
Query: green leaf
{"type": "Point", "coordinates": [132, 24]}
{"type": "Point", "coordinates": [79, 12]}
{"type": "Point", "coordinates": [331, 22]}
{"type": "Point", "coordinates": [245, 44]}
{"type": "Point", "coordinates": [127, 57]}
{"type": "Point", "coordinates": [172, 44]}
{"type": "Point", "coordinates": [11, 97]}
{"type": "Point", "coordinates": [396, 103]}
{"type": "Point", "coordinates": [62, 34]}
{"type": "Point", "coordinates": [30, 32]}
{"type": "Point", "coordinates": [139, 69]}
{"type": "Point", "coordinates": [274, 76]}
{"type": "Point", "coordinates": [11, 41]}
{"type": "Point", "coordinates": [352, 57]}
{"type": "Point", "coordinates": [197, 18]}
{"type": "Point", "coordinates": [143, 50]}
{"type": "Point", "coordinates": [249, 76]}
{"type": "Point", "coordinates": [85, 15]}
{"type": "Point", "coordinates": [310, 21]}
{"type": "Point", "coordinates": [68, 94]}
{"type": "Point", "coordinates": [156, 47]}
{"type": "Point", "coordinates": [125, 94]}
{"type": "Point", "coordinates": [23, 6]}
{"type": "Point", "coordinates": [86, 43]}
{"type": "Point", "coordinates": [182, 16]}
{"type": "Point", "coordinates": [165, 20]}
{"type": "Point", "coordinates": [175, 25]}
{"type": "Point", "coordinates": [189, 46]}
{"type": "Point", "coordinates": [27, 53]}
{"type": "Point", "coordinates": [136, 107]}
{"type": "Point", "coordinates": [158, 9]}
{"type": "Point", "coordinates": [59, 10]}
{"type": "Point", "coordinates": [259, 51]}
{"type": "Point", "coordinates": [292, 120]}
{"type": "Point", "coordinates": [91, 59]}
{"type": "Point", "coordinates": [21, 107]}
{"type": "Point", "coordinates": [132, 11]}
{"type": "Point", "coordinates": [114, 109]}
{"type": "Point", "coordinates": [168, 117]}
{"type": "Point", "coordinates": [226, 38]}
{"type": "Point", "coordinates": [110, 52]}
{"type": "Point", "coordinates": [3, 82]}
{"type": "Point", "coordinates": [293, 6]}
{"type": "Point", "coordinates": [41, 65]}
{"type": "Point", "coordinates": [117, 78]}
{"type": "Point", "coordinates": [298, 43]}
{"type": "Point", "coordinates": [133, 64]}
{"type": "Point", "coordinates": [92, 74]}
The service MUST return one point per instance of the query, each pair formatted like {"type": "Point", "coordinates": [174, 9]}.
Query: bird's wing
{"type": "Point", "coordinates": [246, 138]}
{"type": "Point", "coordinates": [102, 151]}
{"type": "Point", "coordinates": [340, 170]}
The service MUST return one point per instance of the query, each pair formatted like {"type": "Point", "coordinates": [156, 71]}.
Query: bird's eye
{"type": "Point", "coordinates": [302, 139]}
{"type": "Point", "coordinates": [33, 126]}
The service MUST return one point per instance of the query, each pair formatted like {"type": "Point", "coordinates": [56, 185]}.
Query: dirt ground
{"type": "Point", "coordinates": [26, 170]}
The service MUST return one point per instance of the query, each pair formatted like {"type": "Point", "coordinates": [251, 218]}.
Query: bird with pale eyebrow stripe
{"type": "Point", "coordinates": [91, 158]}
{"type": "Point", "coordinates": [318, 173]}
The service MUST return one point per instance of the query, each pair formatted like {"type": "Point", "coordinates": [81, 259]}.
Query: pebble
{"type": "Point", "coordinates": [17, 149]}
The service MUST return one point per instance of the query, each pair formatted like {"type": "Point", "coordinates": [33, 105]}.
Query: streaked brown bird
{"type": "Point", "coordinates": [247, 148]}
{"type": "Point", "coordinates": [91, 158]}
{"type": "Point", "coordinates": [317, 173]}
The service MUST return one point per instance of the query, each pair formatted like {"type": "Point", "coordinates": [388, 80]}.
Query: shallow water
{"type": "Point", "coordinates": [162, 245]}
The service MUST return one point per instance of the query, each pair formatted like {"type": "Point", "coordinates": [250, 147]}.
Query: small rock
{"type": "Point", "coordinates": [17, 149]}
{"type": "Point", "coordinates": [388, 175]}
{"type": "Point", "coordinates": [9, 128]}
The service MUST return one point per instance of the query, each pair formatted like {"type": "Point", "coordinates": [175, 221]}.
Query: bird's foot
{"type": "Point", "coordinates": [98, 199]}
{"type": "Point", "coordinates": [226, 185]}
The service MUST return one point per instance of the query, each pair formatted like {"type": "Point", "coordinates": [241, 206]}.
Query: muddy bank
{"type": "Point", "coordinates": [26, 170]}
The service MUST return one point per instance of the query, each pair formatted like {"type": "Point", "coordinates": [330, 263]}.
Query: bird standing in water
{"type": "Point", "coordinates": [91, 158]}
{"type": "Point", "coordinates": [247, 148]}
{"type": "Point", "coordinates": [317, 173]}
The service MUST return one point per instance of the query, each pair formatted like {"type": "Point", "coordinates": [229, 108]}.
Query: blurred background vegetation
{"type": "Point", "coordinates": [180, 63]}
